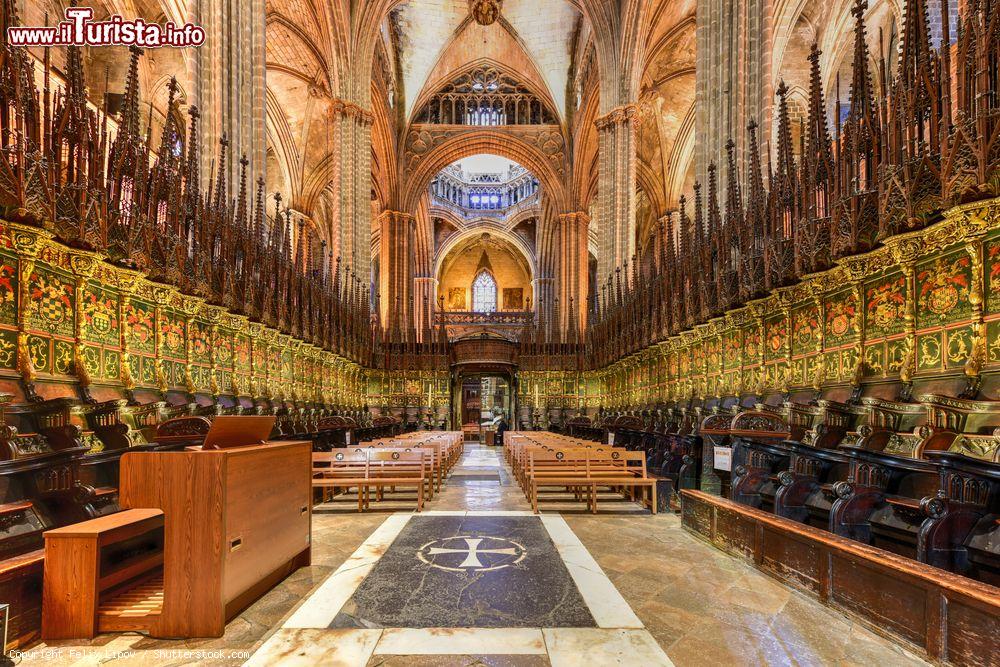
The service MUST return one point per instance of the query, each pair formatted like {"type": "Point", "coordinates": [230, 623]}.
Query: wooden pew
{"type": "Point", "coordinates": [565, 468]}
{"type": "Point", "coordinates": [588, 466]}
{"type": "Point", "coordinates": [436, 460]}
{"type": "Point", "coordinates": [341, 470]}
{"type": "Point", "coordinates": [589, 470]}
{"type": "Point", "coordinates": [372, 468]}
{"type": "Point", "coordinates": [625, 471]}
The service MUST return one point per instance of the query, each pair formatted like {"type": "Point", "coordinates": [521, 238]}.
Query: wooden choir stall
{"type": "Point", "coordinates": [203, 533]}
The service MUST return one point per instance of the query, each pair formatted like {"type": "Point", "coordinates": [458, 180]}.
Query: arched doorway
{"type": "Point", "coordinates": [484, 384]}
{"type": "Point", "coordinates": [485, 399]}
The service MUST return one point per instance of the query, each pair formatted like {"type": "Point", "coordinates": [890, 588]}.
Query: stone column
{"type": "Point", "coordinates": [229, 81]}
{"type": "Point", "coordinates": [573, 271]}
{"type": "Point", "coordinates": [547, 268]}
{"type": "Point", "coordinates": [335, 230]}
{"type": "Point", "coordinates": [396, 268]}
{"type": "Point", "coordinates": [733, 80]}
{"type": "Point", "coordinates": [360, 185]}
{"type": "Point", "coordinates": [352, 140]}
{"type": "Point", "coordinates": [616, 189]}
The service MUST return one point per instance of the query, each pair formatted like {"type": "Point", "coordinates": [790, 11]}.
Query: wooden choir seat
{"type": "Point", "coordinates": [961, 528]}
{"type": "Point", "coordinates": [183, 431]}
{"type": "Point", "coordinates": [583, 427]}
{"type": "Point", "coordinates": [919, 479]}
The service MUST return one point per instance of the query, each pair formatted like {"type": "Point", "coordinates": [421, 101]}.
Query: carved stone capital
{"type": "Point", "coordinates": [618, 116]}
{"type": "Point", "coordinates": [340, 109]}
{"type": "Point", "coordinates": [393, 218]}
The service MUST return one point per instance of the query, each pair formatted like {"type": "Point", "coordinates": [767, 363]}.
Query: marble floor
{"type": "Point", "coordinates": [477, 579]}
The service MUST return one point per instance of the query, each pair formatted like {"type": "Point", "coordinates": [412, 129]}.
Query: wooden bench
{"type": "Point", "coordinates": [589, 470]}
{"type": "Point", "coordinates": [521, 451]}
{"type": "Point", "coordinates": [103, 575]}
{"type": "Point", "coordinates": [371, 468]}
{"type": "Point", "coordinates": [434, 459]}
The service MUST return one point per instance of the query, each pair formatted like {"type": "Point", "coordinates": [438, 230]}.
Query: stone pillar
{"type": "Point", "coordinates": [396, 268]}
{"type": "Point", "coordinates": [616, 189]}
{"type": "Point", "coordinates": [229, 82]}
{"type": "Point", "coordinates": [573, 270]}
{"type": "Point", "coordinates": [547, 268]}
{"type": "Point", "coordinates": [733, 78]}
{"type": "Point", "coordinates": [334, 224]}
{"type": "Point", "coordinates": [544, 293]}
{"type": "Point", "coordinates": [352, 131]}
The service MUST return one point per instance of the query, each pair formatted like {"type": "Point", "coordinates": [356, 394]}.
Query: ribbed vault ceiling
{"type": "Point", "coordinates": [428, 29]}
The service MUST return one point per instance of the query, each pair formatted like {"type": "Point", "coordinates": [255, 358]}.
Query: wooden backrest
{"type": "Point", "coordinates": [396, 456]}
{"type": "Point", "coordinates": [547, 459]}
{"type": "Point", "coordinates": [619, 459]}
{"type": "Point", "coordinates": [183, 430]}
{"type": "Point", "coordinates": [340, 457]}
{"type": "Point", "coordinates": [433, 456]}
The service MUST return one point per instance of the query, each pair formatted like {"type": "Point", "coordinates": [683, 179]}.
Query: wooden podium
{"type": "Point", "coordinates": [237, 521]}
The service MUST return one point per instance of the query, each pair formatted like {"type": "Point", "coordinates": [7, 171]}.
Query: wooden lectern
{"type": "Point", "coordinates": [235, 522]}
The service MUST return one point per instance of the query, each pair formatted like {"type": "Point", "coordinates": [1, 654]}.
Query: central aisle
{"type": "Point", "coordinates": [475, 577]}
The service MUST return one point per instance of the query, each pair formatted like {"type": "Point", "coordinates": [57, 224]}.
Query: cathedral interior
{"type": "Point", "coordinates": [500, 332]}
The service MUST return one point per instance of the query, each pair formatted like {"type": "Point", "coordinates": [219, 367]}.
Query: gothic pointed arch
{"type": "Point", "coordinates": [428, 150]}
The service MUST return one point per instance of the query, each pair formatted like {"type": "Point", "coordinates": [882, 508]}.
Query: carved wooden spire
{"type": "Point", "coordinates": [128, 125]}
{"type": "Point", "coordinates": [222, 184]}
{"type": "Point", "coordinates": [192, 182]}
{"type": "Point", "coordinates": [784, 185]}
{"type": "Point", "coordinates": [862, 116]}
{"type": "Point", "coordinates": [76, 87]}
{"type": "Point", "coordinates": [818, 155]}
{"type": "Point", "coordinates": [755, 224]}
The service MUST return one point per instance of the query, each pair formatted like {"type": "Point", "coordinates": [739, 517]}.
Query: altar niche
{"type": "Point", "coordinates": [483, 401]}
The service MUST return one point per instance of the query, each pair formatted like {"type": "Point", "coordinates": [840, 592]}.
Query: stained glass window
{"type": "Point", "coordinates": [484, 293]}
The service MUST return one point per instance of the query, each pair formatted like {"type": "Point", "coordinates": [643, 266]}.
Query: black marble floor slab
{"type": "Point", "coordinates": [468, 572]}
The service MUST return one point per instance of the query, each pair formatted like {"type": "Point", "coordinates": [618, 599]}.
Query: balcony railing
{"type": "Point", "coordinates": [531, 201]}
{"type": "Point", "coordinates": [503, 317]}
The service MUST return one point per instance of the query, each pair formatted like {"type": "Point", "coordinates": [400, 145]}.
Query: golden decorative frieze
{"type": "Point", "coordinates": [187, 304]}
{"type": "Point", "coordinates": [27, 241]}
{"type": "Point", "coordinates": [210, 313]}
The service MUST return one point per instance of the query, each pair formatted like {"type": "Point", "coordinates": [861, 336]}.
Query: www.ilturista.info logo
{"type": "Point", "coordinates": [80, 29]}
